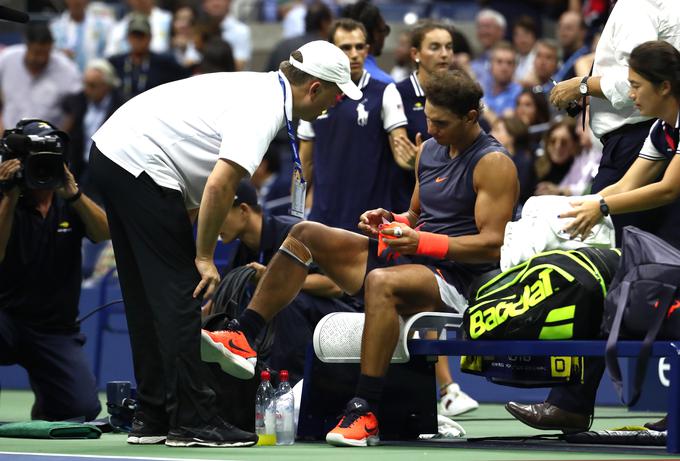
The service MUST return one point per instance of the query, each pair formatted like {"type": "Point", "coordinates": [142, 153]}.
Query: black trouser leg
{"type": "Point", "coordinates": [151, 226]}
{"type": "Point", "coordinates": [580, 398]}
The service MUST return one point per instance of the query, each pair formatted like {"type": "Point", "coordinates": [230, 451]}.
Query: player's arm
{"type": "Point", "coordinates": [497, 188]}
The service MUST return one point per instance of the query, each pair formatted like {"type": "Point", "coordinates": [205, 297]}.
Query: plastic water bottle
{"type": "Point", "coordinates": [285, 411]}
{"type": "Point", "coordinates": [265, 411]}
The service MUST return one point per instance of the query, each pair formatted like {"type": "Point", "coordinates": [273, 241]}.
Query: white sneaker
{"type": "Point", "coordinates": [455, 402]}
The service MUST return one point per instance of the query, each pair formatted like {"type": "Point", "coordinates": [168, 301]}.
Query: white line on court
{"type": "Point", "coordinates": [95, 457]}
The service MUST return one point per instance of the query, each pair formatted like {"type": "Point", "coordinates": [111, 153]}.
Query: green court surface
{"type": "Point", "coordinates": [489, 420]}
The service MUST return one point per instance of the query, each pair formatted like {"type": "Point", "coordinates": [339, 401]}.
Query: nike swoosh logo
{"type": "Point", "coordinates": [440, 179]}
{"type": "Point", "coordinates": [234, 346]}
{"type": "Point", "coordinates": [370, 429]}
{"type": "Point", "coordinates": [357, 405]}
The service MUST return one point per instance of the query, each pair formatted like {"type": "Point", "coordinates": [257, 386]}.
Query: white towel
{"type": "Point", "coordinates": [540, 229]}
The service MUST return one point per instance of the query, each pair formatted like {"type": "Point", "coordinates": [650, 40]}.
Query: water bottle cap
{"type": "Point", "coordinates": [264, 375]}
{"type": "Point", "coordinates": [283, 375]}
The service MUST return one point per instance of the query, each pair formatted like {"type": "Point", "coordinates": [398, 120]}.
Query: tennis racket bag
{"type": "Point", "coordinates": [555, 295]}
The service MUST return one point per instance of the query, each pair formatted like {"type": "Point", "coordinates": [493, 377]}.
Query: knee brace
{"type": "Point", "coordinates": [297, 250]}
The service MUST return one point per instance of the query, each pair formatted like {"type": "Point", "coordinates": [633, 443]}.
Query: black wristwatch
{"type": "Point", "coordinates": [583, 86]}
{"type": "Point", "coordinates": [604, 208]}
{"type": "Point", "coordinates": [74, 197]}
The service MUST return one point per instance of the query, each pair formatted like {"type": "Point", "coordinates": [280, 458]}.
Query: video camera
{"type": "Point", "coordinates": [40, 147]}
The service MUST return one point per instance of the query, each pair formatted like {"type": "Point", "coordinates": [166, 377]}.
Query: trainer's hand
{"type": "Point", "coordinates": [210, 278]}
{"type": "Point", "coordinates": [406, 243]}
{"type": "Point", "coordinates": [565, 92]}
{"type": "Point", "coordinates": [259, 271]}
{"type": "Point", "coordinates": [370, 220]}
{"type": "Point", "coordinates": [586, 214]}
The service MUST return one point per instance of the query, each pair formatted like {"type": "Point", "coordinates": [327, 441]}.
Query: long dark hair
{"type": "Point", "coordinates": [657, 61]}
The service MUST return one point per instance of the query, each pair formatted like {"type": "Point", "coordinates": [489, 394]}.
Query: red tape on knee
{"type": "Point", "coordinates": [435, 245]}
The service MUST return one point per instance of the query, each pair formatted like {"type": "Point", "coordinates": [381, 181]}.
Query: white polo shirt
{"type": "Point", "coordinates": [176, 132]}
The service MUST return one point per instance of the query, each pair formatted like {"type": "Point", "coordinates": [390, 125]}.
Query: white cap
{"type": "Point", "coordinates": [326, 61]}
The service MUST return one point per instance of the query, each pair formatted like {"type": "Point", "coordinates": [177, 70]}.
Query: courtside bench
{"type": "Point", "coordinates": [337, 340]}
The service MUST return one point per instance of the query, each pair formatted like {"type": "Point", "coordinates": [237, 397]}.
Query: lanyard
{"type": "Point", "coordinates": [297, 164]}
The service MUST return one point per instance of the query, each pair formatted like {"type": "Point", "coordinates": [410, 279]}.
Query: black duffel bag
{"type": "Point", "coordinates": [643, 302]}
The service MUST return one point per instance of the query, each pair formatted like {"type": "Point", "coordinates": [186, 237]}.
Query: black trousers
{"type": "Point", "coordinates": [57, 368]}
{"type": "Point", "coordinates": [155, 250]}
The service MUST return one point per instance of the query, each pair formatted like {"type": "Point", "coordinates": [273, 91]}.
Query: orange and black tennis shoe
{"type": "Point", "coordinates": [357, 428]}
{"type": "Point", "coordinates": [230, 349]}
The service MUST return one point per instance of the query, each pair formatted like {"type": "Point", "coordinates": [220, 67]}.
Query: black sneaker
{"type": "Point", "coordinates": [221, 434]}
{"type": "Point", "coordinates": [146, 431]}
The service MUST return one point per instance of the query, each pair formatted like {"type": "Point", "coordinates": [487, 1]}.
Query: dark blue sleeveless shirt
{"type": "Point", "coordinates": [447, 195]}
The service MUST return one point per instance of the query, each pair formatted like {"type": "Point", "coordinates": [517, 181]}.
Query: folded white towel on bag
{"type": "Point", "coordinates": [540, 229]}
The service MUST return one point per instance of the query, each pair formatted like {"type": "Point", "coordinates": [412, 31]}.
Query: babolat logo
{"type": "Point", "coordinates": [486, 319]}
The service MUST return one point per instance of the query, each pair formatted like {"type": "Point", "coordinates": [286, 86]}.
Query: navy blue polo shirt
{"type": "Point", "coordinates": [354, 168]}
{"type": "Point", "coordinates": [662, 141]}
{"type": "Point", "coordinates": [413, 97]}
{"type": "Point", "coordinates": [274, 232]}
{"type": "Point", "coordinates": [41, 273]}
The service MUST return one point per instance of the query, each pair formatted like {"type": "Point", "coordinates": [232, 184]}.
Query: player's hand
{"type": "Point", "coordinates": [206, 309]}
{"type": "Point", "coordinates": [210, 278]}
{"type": "Point", "coordinates": [405, 239]}
{"type": "Point", "coordinates": [259, 271]}
{"type": "Point", "coordinates": [370, 220]}
{"type": "Point", "coordinates": [586, 213]}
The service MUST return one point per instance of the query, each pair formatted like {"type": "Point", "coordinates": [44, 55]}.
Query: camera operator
{"type": "Point", "coordinates": [40, 275]}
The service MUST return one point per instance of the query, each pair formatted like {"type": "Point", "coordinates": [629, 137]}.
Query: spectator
{"type": "Point", "coordinates": [161, 28]}
{"type": "Point", "coordinates": [82, 30]}
{"type": "Point", "coordinates": [354, 139]}
{"type": "Point", "coordinates": [86, 111]}
{"type": "Point", "coordinates": [35, 79]}
{"type": "Point", "coordinates": [182, 39]}
{"type": "Point", "coordinates": [571, 34]}
{"type": "Point", "coordinates": [564, 169]}
{"type": "Point", "coordinates": [532, 108]}
{"type": "Point", "coordinates": [234, 32]}
{"type": "Point", "coordinates": [141, 69]}
{"type": "Point", "coordinates": [217, 57]}
{"type": "Point", "coordinates": [501, 92]}
{"type": "Point", "coordinates": [293, 18]}
{"type": "Point", "coordinates": [545, 65]}
{"type": "Point", "coordinates": [491, 27]}
{"type": "Point", "coordinates": [377, 29]}
{"type": "Point", "coordinates": [402, 58]}
{"type": "Point", "coordinates": [524, 36]}
{"type": "Point", "coordinates": [514, 135]}
{"type": "Point", "coordinates": [317, 23]}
